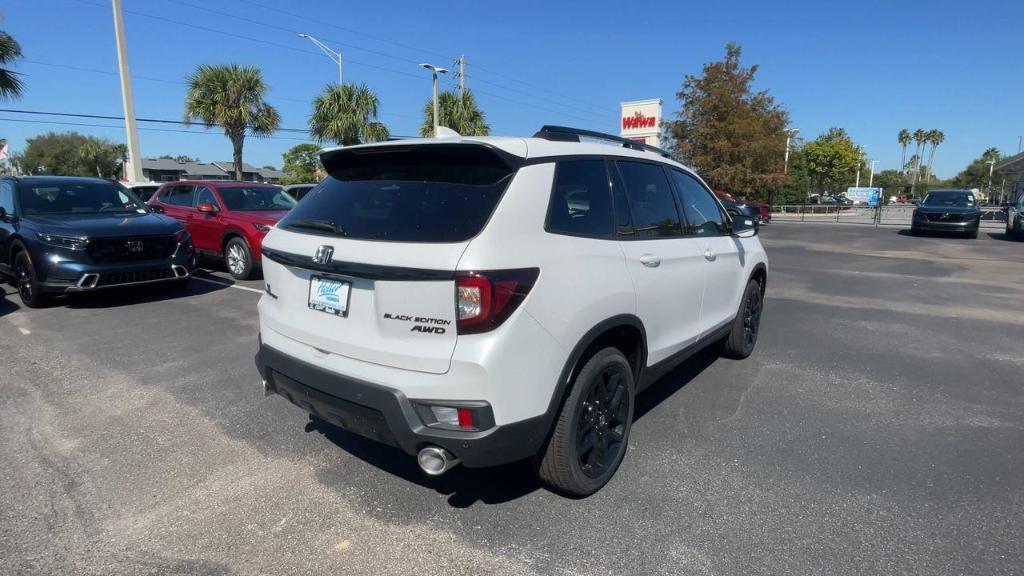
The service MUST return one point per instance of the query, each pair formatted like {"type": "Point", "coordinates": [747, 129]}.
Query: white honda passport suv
{"type": "Point", "coordinates": [486, 300]}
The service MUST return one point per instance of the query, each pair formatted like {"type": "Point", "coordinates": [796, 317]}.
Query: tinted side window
{"type": "Point", "coordinates": [178, 196]}
{"type": "Point", "coordinates": [650, 199]}
{"type": "Point", "coordinates": [703, 216]}
{"type": "Point", "coordinates": [581, 202]}
{"type": "Point", "coordinates": [205, 196]}
{"type": "Point", "coordinates": [7, 196]}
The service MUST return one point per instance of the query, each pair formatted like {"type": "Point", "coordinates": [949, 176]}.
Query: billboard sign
{"type": "Point", "coordinates": [863, 195]}
{"type": "Point", "coordinates": [641, 121]}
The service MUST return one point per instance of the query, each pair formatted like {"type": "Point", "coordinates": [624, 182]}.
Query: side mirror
{"type": "Point", "coordinates": [207, 208]}
{"type": "Point", "coordinates": [744, 227]}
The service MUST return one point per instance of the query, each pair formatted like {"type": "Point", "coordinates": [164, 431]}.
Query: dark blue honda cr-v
{"type": "Point", "coordinates": [62, 234]}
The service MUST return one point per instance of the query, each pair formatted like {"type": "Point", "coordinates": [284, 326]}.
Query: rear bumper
{"type": "Point", "coordinates": [388, 416]}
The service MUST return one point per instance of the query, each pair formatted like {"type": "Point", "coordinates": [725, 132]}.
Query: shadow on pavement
{"type": "Point", "coordinates": [7, 305]}
{"type": "Point", "coordinates": [467, 486]}
{"type": "Point", "coordinates": [1000, 236]}
{"type": "Point", "coordinates": [144, 294]}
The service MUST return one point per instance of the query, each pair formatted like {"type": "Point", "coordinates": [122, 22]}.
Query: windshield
{"type": "Point", "coordinates": [247, 198]}
{"type": "Point", "coordinates": [952, 199]}
{"type": "Point", "coordinates": [76, 197]}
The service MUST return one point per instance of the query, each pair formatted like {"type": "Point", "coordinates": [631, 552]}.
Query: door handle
{"type": "Point", "coordinates": [709, 255]}
{"type": "Point", "coordinates": [650, 260]}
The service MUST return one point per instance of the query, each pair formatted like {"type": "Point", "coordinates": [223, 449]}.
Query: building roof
{"type": "Point", "coordinates": [1007, 162]}
{"type": "Point", "coordinates": [211, 169]}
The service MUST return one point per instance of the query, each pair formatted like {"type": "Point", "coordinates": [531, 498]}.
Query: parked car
{"type": "Point", "coordinates": [947, 211]}
{"type": "Point", "coordinates": [298, 191]}
{"type": "Point", "coordinates": [61, 235]}
{"type": "Point", "coordinates": [395, 308]}
{"type": "Point", "coordinates": [143, 190]}
{"type": "Point", "coordinates": [737, 208]}
{"type": "Point", "coordinates": [227, 220]}
{"type": "Point", "coordinates": [764, 211]}
{"type": "Point", "coordinates": [1015, 218]}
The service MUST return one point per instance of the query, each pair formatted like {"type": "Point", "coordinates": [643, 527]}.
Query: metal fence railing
{"type": "Point", "coordinates": [888, 215]}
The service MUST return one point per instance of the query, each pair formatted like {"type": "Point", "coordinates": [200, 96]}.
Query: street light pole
{"type": "Point", "coordinates": [871, 180]}
{"type": "Point", "coordinates": [790, 134]}
{"type": "Point", "coordinates": [335, 57]}
{"type": "Point", "coordinates": [435, 70]}
{"type": "Point", "coordinates": [133, 166]}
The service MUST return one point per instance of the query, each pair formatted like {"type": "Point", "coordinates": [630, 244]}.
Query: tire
{"type": "Point", "coordinates": [973, 235]}
{"type": "Point", "coordinates": [1014, 232]}
{"type": "Point", "coordinates": [914, 231]}
{"type": "Point", "coordinates": [29, 291]}
{"type": "Point", "coordinates": [238, 259]}
{"type": "Point", "coordinates": [598, 412]}
{"type": "Point", "coordinates": [742, 337]}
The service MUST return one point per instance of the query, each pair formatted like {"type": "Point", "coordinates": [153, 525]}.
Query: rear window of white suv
{"type": "Point", "coordinates": [418, 193]}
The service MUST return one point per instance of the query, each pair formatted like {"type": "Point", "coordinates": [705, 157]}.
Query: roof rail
{"type": "Point", "coordinates": [566, 134]}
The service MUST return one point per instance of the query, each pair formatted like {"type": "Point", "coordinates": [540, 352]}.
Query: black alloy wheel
{"type": "Point", "coordinates": [25, 280]}
{"type": "Point", "coordinates": [591, 433]}
{"type": "Point", "coordinates": [745, 328]}
{"type": "Point", "coordinates": [602, 422]}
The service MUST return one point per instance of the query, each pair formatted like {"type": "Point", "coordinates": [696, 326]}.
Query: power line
{"type": "Point", "coordinates": [182, 83]}
{"type": "Point", "coordinates": [121, 127]}
{"type": "Point", "coordinates": [534, 86]}
{"type": "Point", "coordinates": [105, 117]}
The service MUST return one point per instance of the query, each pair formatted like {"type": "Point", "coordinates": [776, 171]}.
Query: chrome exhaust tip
{"type": "Point", "coordinates": [435, 461]}
{"type": "Point", "coordinates": [268, 388]}
{"type": "Point", "coordinates": [88, 281]}
{"type": "Point", "coordinates": [179, 271]}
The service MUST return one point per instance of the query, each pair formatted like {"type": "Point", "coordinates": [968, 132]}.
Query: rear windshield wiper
{"type": "Point", "coordinates": [325, 225]}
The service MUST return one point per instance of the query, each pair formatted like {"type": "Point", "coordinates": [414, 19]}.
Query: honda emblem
{"type": "Point", "coordinates": [323, 255]}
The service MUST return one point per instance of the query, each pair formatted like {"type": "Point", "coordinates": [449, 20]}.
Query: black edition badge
{"type": "Point", "coordinates": [421, 323]}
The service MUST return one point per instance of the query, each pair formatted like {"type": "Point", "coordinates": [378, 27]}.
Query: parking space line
{"type": "Point", "coordinates": [227, 284]}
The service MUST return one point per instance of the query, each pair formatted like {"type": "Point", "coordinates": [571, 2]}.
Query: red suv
{"type": "Point", "coordinates": [226, 219]}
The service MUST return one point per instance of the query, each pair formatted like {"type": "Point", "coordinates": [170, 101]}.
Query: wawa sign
{"type": "Point", "coordinates": [641, 121]}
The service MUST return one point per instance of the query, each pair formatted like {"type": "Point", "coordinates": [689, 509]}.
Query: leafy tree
{"type": "Point", "coordinates": [891, 182]}
{"type": "Point", "coordinates": [232, 97]}
{"type": "Point", "coordinates": [832, 160]}
{"type": "Point", "coordinates": [975, 175]}
{"type": "Point", "coordinates": [71, 154]}
{"type": "Point", "coordinates": [11, 85]}
{"type": "Point", "coordinates": [180, 158]}
{"type": "Point", "coordinates": [301, 164]}
{"type": "Point", "coordinates": [458, 112]}
{"type": "Point", "coordinates": [920, 142]}
{"type": "Point", "coordinates": [346, 114]}
{"type": "Point", "coordinates": [734, 136]}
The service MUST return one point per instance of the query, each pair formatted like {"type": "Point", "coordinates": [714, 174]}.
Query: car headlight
{"type": "Point", "coordinates": [262, 227]}
{"type": "Point", "coordinates": [76, 243]}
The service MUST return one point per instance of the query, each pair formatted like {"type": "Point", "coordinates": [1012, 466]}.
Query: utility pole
{"type": "Point", "coordinates": [462, 75]}
{"type": "Point", "coordinates": [871, 180]}
{"type": "Point", "coordinates": [435, 71]}
{"type": "Point", "coordinates": [133, 166]}
{"type": "Point", "coordinates": [790, 134]}
{"type": "Point", "coordinates": [988, 190]}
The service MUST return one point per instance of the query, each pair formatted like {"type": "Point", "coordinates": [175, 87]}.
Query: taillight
{"type": "Point", "coordinates": [486, 299]}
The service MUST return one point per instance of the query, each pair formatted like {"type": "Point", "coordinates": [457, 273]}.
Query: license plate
{"type": "Point", "coordinates": [329, 295]}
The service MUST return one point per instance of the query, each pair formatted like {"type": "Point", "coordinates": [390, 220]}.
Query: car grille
{"type": "Point", "coordinates": [137, 276]}
{"type": "Point", "coordinates": [944, 217]}
{"type": "Point", "coordinates": [126, 249]}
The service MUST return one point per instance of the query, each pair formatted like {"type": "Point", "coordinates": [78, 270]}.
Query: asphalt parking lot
{"type": "Point", "coordinates": [877, 429]}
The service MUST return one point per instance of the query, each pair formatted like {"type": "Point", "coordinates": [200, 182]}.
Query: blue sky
{"type": "Point", "coordinates": [871, 67]}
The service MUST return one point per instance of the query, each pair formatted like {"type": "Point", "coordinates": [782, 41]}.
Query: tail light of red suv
{"type": "Point", "coordinates": [486, 299]}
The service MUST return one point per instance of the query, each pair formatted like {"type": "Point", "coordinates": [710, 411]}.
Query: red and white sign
{"type": "Point", "coordinates": [641, 121]}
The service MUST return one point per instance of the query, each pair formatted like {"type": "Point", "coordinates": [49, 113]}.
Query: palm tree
{"type": "Point", "coordinates": [456, 111]}
{"type": "Point", "coordinates": [904, 140]}
{"type": "Point", "coordinates": [347, 114]}
{"type": "Point", "coordinates": [935, 137]}
{"type": "Point", "coordinates": [920, 139]}
{"type": "Point", "coordinates": [231, 96]}
{"type": "Point", "coordinates": [11, 85]}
